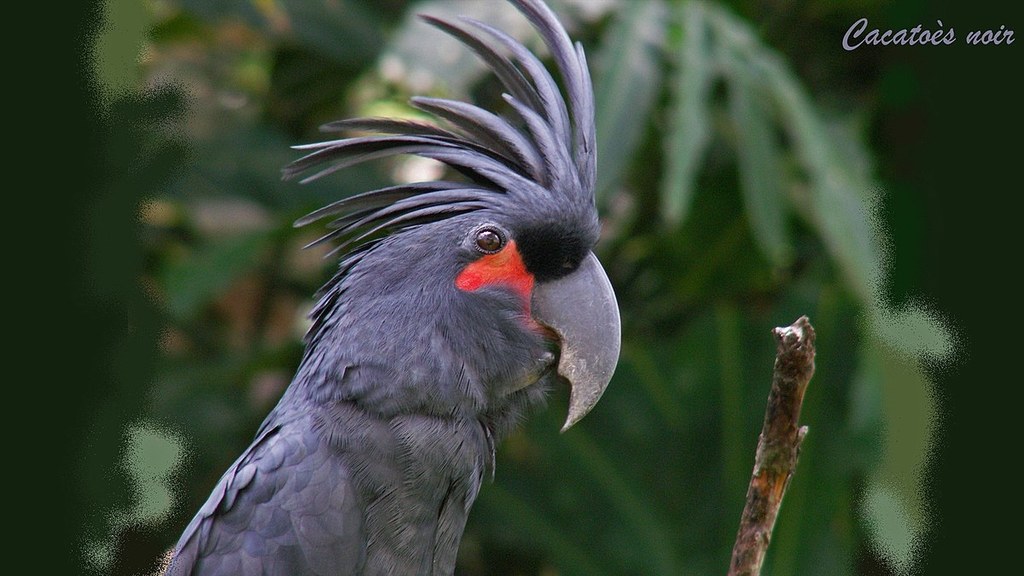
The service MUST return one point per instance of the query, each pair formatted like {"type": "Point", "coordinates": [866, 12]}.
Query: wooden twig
{"type": "Point", "coordinates": [778, 447]}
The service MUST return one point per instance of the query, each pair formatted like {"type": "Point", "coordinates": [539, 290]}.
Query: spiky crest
{"type": "Point", "coordinates": [548, 151]}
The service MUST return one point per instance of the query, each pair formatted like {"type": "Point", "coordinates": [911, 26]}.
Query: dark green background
{"type": "Point", "coordinates": [78, 319]}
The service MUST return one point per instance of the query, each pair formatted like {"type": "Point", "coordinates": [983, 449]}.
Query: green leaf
{"type": "Point", "coordinates": [195, 281]}
{"type": "Point", "coordinates": [894, 509]}
{"type": "Point", "coordinates": [630, 504]}
{"type": "Point", "coordinates": [523, 520]}
{"type": "Point", "coordinates": [342, 30]}
{"type": "Point", "coordinates": [246, 159]}
{"type": "Point", "coordinates": [215, 12]}
{"type": "Point", "coordinates": [626, 86]}
{"type": "Point", "coordinates": [891, 526]}
{"type": "Point", "coordinates": [119, 44]}
{"type": "Point", "coordinates": [688, 121]}
{"type": "Point", "coordinates": [151, 457]}
{"type": "Point", "coordinates": [760, 168]}
{"type": "Point", "coordinates": [839, 203]}
{"type": "Point", "coordinates": [840, 193]}
{"type": "Point", "coordinates": [654, 383]}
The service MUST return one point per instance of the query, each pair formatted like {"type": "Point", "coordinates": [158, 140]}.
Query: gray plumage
{"type": "Point", "coordinates": [375, 453]}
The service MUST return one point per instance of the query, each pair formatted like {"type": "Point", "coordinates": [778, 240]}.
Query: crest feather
{"type": "Point", "coordinates": [546, 149]}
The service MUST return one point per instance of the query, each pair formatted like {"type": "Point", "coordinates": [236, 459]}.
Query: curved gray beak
{"type": "Point", "coordinates": [581, 309]}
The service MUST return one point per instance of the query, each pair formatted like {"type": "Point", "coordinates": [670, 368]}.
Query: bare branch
{"type": "Point", "coordinates": [778, 447]}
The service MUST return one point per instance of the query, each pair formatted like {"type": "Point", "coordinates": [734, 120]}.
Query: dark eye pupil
{"type": "Point", "coordinates": [488, 240]}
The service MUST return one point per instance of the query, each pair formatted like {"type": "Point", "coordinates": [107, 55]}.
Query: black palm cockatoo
{"type": "Point", "coordinates": [456, 307]}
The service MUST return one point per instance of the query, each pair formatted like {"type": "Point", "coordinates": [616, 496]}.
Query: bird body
{"type": "Point", "coordinates": [298, 503]}
{"type": "Point", "coordinates": [456, 307]}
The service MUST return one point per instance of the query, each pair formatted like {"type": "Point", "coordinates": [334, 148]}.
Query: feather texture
{"type": "Point", "coordinates": [545, 150]}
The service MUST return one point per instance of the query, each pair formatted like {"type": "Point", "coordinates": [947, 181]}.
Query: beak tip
{"type": "Point", "coordinates": [585, 392]}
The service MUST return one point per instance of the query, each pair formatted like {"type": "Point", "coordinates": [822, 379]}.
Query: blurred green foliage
{"type": "Point", "coordinates": [735, 196]}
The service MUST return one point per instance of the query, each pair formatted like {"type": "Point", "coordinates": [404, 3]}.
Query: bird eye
{"type": "Point", "coordinates": [489, 240]}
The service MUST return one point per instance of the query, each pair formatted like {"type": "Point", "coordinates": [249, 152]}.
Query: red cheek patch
{"type": "Point", "coordinates": [503, 268]}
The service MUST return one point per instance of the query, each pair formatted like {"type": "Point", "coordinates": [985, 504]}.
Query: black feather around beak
{"type": "Point", "coordinates": [581, 309]}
